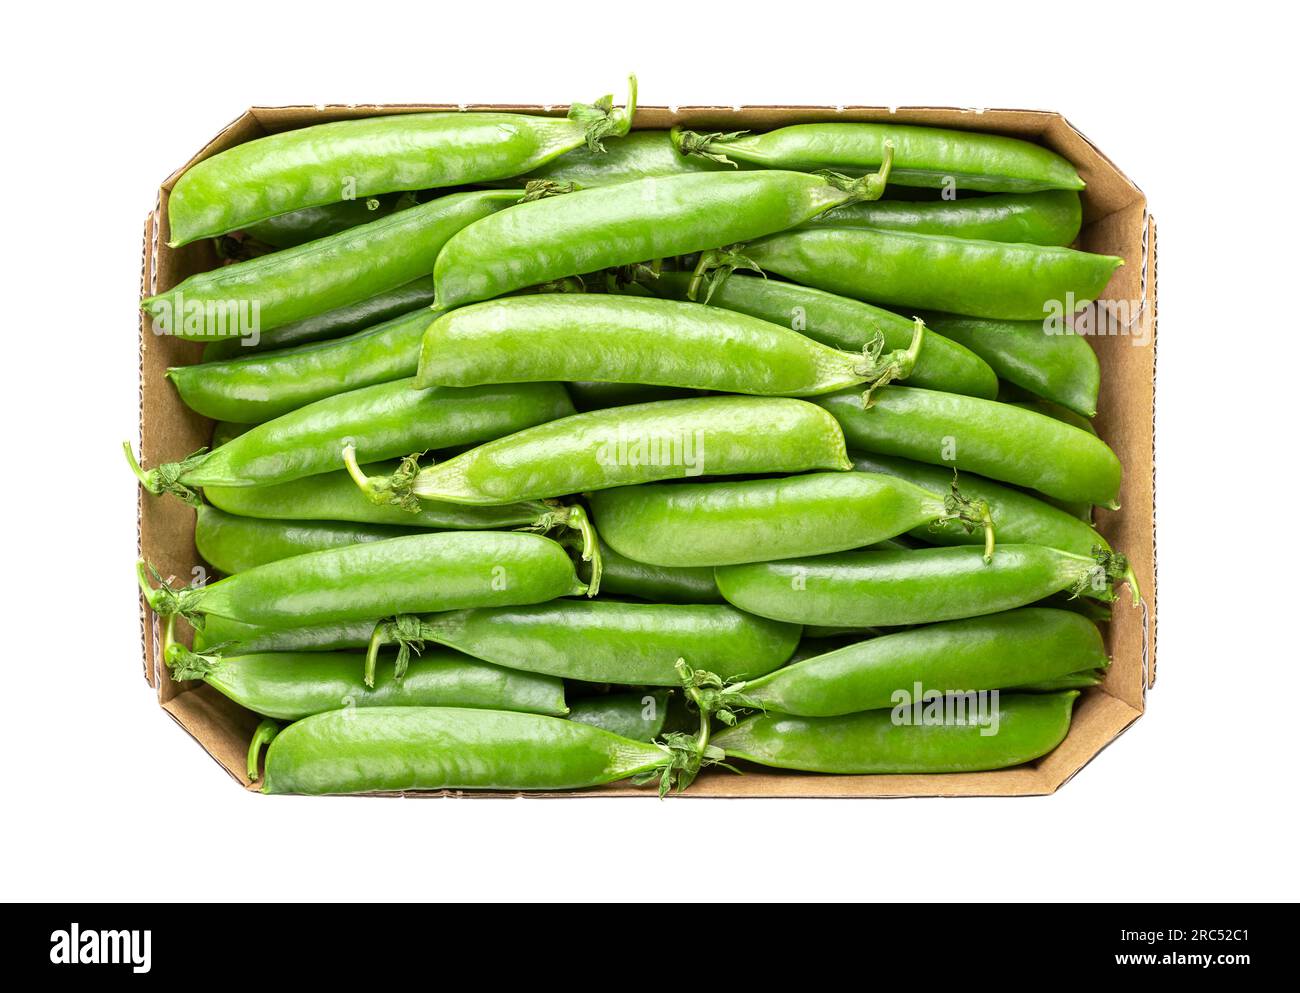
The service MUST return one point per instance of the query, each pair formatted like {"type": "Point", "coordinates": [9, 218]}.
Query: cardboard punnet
{"type": "Point", "coordinates": [1116, 221]}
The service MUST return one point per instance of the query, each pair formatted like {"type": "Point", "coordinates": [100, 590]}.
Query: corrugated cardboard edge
{"type": "Point", "coordinates": [220, 727]}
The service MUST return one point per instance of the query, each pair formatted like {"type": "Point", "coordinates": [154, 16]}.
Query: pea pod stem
{"type": "Point", "coordinates": [898, 364]}
{"type": "Point", "coordinates": [397, 489]}
{"type": "Point", "coordinates": [262, 737]}
{"type": "Point", "coordinates": [166, 478]}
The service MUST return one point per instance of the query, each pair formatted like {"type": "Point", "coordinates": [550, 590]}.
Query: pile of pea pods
{"type": "Point", "coordinates": [558, 454]}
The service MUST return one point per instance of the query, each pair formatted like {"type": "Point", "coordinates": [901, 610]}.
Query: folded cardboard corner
{"type": "Point", "coordinates": [1116, 222]}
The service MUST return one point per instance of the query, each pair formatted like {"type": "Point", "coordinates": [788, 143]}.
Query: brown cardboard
{"type": "Point", "coordinates": [1116, 221]}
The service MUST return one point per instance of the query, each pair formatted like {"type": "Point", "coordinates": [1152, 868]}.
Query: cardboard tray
{"type": "Point", "coordinates": [1116, 222]}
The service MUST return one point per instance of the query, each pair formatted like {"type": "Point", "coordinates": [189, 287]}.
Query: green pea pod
{"type": "Point", "coordinates": [310, 223]}
{"type": "Point", "coordinates": [870, 589]}
{"type": "Point", "coordinates": [596, 641]}
{"type": "Point", "coordinates": [841, 323]}
{"type": "Point", "coordinates": [424, 572]}
{"type": "Point", "coordinates": [1057, 365]}
{"type": "Point", "coordinates": [1018, 517]}
{"type": "Point", "coordinates": [639, 716]}
{"type": "Point", "coordinates": [232, 544]}
{"type": "Point", "coordinates": [757, 520]}
{"type": "Point", "coordinates": [247, 298]}
{"type": "Point", "coordinates": [333, 496]}
{"type": "Point", "coordinates": [385, 420]}
{"type": "Point", "coordinates": [235, 637]}
{"type": "Point", "coordinates": [1052, 217]}
{"type": "Point", "coordinates": [393, 749]}
{"type": "Point", "coordinates": [622, 446]}
{"type": "Point", "coordinates": [412, 296]}
{"type": "Point", "coordinates": [930, 157]}
{"type": "Point", "coordinates": [623, 576]}
{"type": "Point", "coordinates": [624, 339]}
{"type": "Point", "coordinates": [1029, 645]}
{"type": "Point", "coordinates": [293, 685]}
{"type": "Point", "coordinates": [957, 275]}
{"type": "Point", "coordinates": [255, 388]}
{"type": "Point", "coordinates": [1028, 726]}
{"type": "Point", "coordinates": [631, 222]}
{"type": "Point", "coordinates": [639, 155]}
{"type": "Point", "coordinates": [326, 163]}
{"type": "Point", "coordinates": [998, 440]}
{"type": "Point", "coordinates": [595, 396]}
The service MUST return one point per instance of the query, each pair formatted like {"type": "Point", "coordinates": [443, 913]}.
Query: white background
{"type": "Point", "coordinates": [104, 798]}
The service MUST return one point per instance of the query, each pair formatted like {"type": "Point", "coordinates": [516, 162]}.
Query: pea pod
{"type": "Point", "coordinates": [293, 685]}
{"type": "Point", "coordinates": [326, 163]}
{"type": "Point", "coordinates": [1018, 517]}
{"type": "Point", "coordinates": [1054, 364]}
{"type": "Point", "coordinates": [412, 296]}
{"type": "Point", "coordinates": [251, 389]}
{"type": "Point", "coordinates": [957, 275]}
{"type": "Point", "coordinates": [594, 396]}
{"type": "Point", "coordinates": [387, 419]}
{"type": "Point", "coordinates": [874, 588]}
{"type": "Point", "coordinates": [310, 223]}
{"type": "Point", "coordinates": [424, 572]}
{"type": "Point", "coordinates": [236, 637]}
{"type": "Point", "coordinates": [998, 440]}
{"type": "Point", "coordinates": [1011, 649]}
{"type": "Point", "coordinates": [930, 157]}
{"type": "Point", "coordinates": [625, 339]}
{"type": "Point", "coordinates": [611, 226]}
{"type": "Point", "coordinates": [626, 445]}
{"type": "Point", "coordinates": [598, 641]}
{"type": "Point", "coordinates": [757, 520]}
{"type": "Point", "coordinates": [639, 716]}
{"type": "Point", "coordinates": [265, 293]}
{"type": "Point", "coordinates": [232, 544]}
{"type": "Point", "coordinates": [392, 749]}
{"type": "Point", "coordinates": [639, 155]}
{"type": "Point", "coordinates": [874, 741]}
{"type": "Point", "coordinates": [1052, 217]}
{"type": "Point", "coordinates": [841, 323]}
{"type": "Point", "coordinates": [333, 496]}
{"type": "Point", "coordinates": [623, 576]}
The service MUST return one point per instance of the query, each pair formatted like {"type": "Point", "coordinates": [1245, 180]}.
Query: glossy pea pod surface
{"type": "Point", "coordinates": [621, 446]}
{"type": "Point", "coordinates": [412, 296]}
{"type": "Point", "coordinates": [1004, 650]}
{"type": "Point", "coordinates": [1018, 517]}
{"type": "Point", "coordinates": [236, 637]}
{"type": "Point", "coordinates": [873, 741]}
{"type": "Point", "coordinates": [639, 716]}
{"type": "Point", "coordinates": [998, 440]}
{"type": "Point", "coordinates": [298, 283]}
{"type": "Point", "coordinates": [879, 588]}
{"type": "Point", "coordinates": [841, 323]}
{"type": "Point", "coordinates": [333, 496]}
{"type": "Point", "coordinates": [929, 157]}
{"type": "Point", "coordinates": [639, 155]}
{"type": "Point", "coordinates": [730, 522]}
{"type": "Point", "coordinates": [618, 225]}
{"type": "Point", "coordinates": [326, 163]}
{"type": "Point", "coordinates": [311, 223]}
{"type": "Point", "coordinates": [385, 420]}
{"type": "Point", "coordinates": [626, 339]}
{"type": "Point", "coordinates": [608, 642]}
{"type": "Point", "coordinates": [1049, 218]}
{"type": "Point", "coordinates": [935, 272]}
{"type": "Point", "coordinates": [426, 572]}
{"type": "Point", "coordinates": [292, 685]}
{"type": "Point", "coordinates": [232, 544]}
{"type": "Point", "coordinates": [431, 748]}
{"type": "Point", "coordinates": [1054, 364]}
{"type": "Point", "coordinates": [254, 388]}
